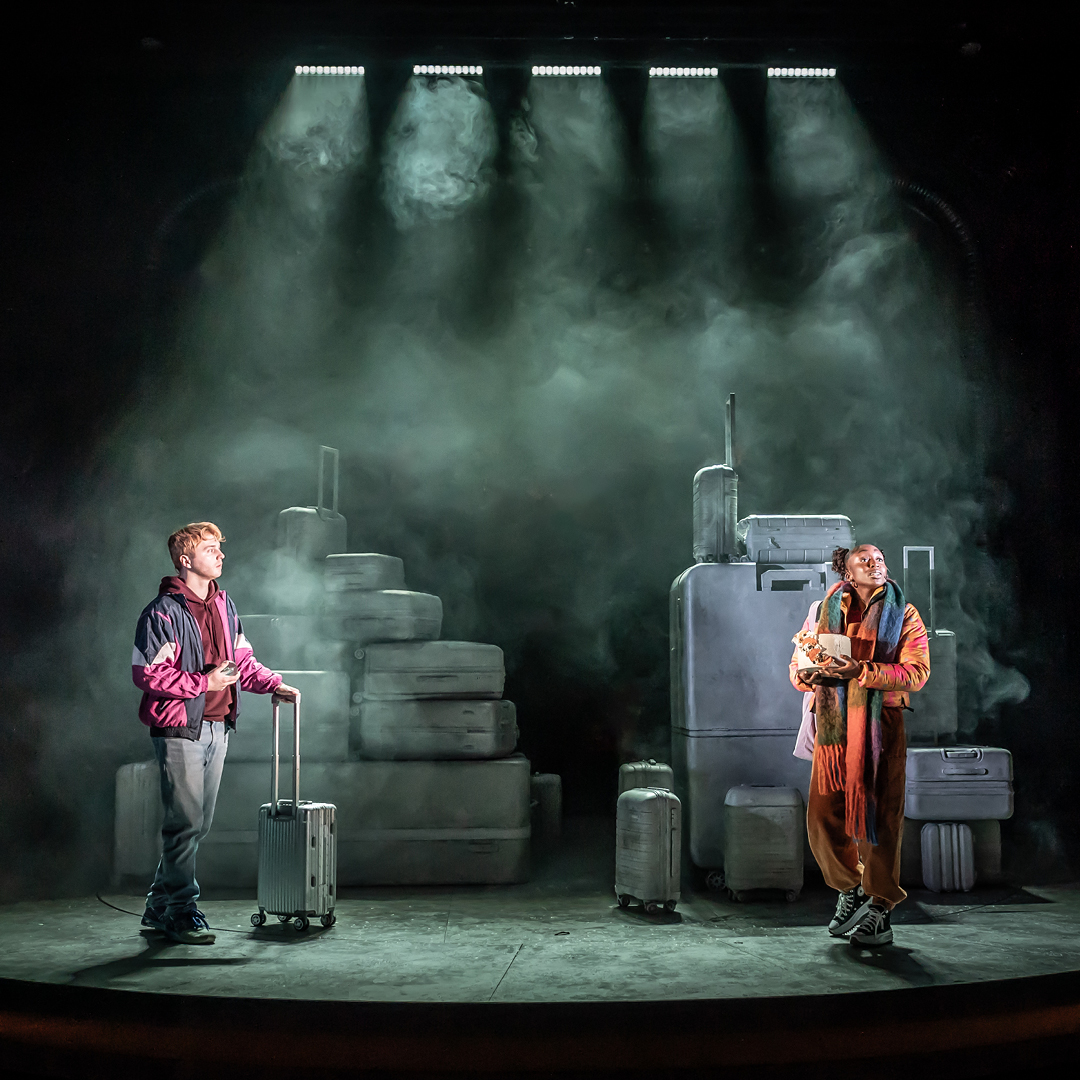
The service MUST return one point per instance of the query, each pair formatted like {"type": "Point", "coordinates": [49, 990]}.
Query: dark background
{"type": "Point", "coordinates": [117, 124]}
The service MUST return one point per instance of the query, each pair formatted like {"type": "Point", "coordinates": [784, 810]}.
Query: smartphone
{"type": "Point", "coordinates": [229, 668]}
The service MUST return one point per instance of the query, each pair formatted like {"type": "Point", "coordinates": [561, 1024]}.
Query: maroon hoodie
{"type": "Point", "coordinates": [218, 702]}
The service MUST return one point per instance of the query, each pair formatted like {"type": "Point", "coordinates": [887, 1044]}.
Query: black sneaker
{"type": "Point", "coordinates": [851, 906]}
{"type": "Point", "coordinates": [154, 919]}
{"type": "Point", "coordinates": [189, 927]}
{"type": "Point", "coordinates": [875, 927]}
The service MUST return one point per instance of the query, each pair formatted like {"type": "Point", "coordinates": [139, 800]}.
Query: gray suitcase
{"type": "Point", "coordinates": [716, 496]}
{"type": "Point", "coordinates": [648, 827]}
{"type": "Point", "coordinates": [764, 829]}
{"type": "Point", "coordinates": [296, 643]}
{"type": "Point", "coordinates": [362, 572]}
{"type": "Point", "coordinates": [382, 615]}
{"type": "Point", "coordinates": [297, 847]}
{"type": "Point", "coordinates": [651, 773]}
{"type": "Point", "coordinates": [436, 730]}
{"type": "Point", "coordinates": [958, 783]}
{"type": "Point", "coordinates": [734, 713]}
{"type": "Point", "coordinates": [948, 857]}
{"type": "Point", "coordinates": [310, 533]}
{"type": "Point", "coordinates": [985, 843]}
{"type": "Point", "coordinates": [546, 806]}
{"type": "Point", "coordinates": [785, 538]}
{"type": "Point", "coordinates": [137, 820]}
{"type": "Point", "coordinates": [325, 734]}
{"type": "Point", "coordinates": [430, 669]}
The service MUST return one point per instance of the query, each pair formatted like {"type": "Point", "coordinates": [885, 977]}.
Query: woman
{"type": "Point", "coordinates": [855, 814]}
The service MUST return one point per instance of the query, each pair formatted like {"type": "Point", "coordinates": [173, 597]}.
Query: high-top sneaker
{"type": "Point", "coordinates": [875, 927]}
{"type": "Point", "coordinates": [851, 906]}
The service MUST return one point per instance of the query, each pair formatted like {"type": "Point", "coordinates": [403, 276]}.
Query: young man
{"type": "Point", "coordinates": [855, 814]}
{"type": "Point", "coordinates": [190, 658]}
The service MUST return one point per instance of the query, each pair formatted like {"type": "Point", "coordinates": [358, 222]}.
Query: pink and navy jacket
{"type": "Point", "coordinates": [167, 663]}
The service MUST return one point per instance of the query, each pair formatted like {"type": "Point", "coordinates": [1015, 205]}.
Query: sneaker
{"type": "Point", "coordinates": [851, 906]}
{"type": "Point", "coordinates": [189, 927]}
{"type": "Point", "coordinates": [875, 928]}
{"type": "Point", "coordinates": [153, 919]}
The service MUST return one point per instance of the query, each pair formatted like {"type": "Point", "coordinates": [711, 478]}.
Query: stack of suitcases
{"type": "Point", "coordinates": [407, 735]}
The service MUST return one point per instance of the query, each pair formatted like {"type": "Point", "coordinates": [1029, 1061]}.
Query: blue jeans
{"type": "Point", "coordinates": [190, 777]}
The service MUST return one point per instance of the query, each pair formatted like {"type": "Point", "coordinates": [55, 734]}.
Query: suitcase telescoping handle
{"type": "Point", "coordinates": [275, 763]}
{"type": "Point", "coordinates": [335, 458]}
{"type": "Point", "coordinates": [930, 552]}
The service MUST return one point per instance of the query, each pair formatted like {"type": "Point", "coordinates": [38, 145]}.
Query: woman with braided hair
{"type": "Point", "coordinates": [855, 813]}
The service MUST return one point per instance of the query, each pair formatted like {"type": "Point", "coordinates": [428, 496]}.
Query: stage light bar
{"type": "Point", "coordinates": [309, 69]}
{"type": "Point", "coordinates": [801, 73]}
{"type": "Point", "coordinates": [683, 72]}
{"type": "Point", "coordinates": [447, 69]}
{"type": "Point", "coordinates": [563, 69]}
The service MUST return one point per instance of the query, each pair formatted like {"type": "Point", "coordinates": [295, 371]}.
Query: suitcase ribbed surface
{"type": "Point", "coordinates": [297, 860]}
{"type": "Point", "coordinates": [948, 857]}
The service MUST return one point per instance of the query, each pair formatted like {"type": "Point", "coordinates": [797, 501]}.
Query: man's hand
{"type": "Point", "coordinates": [843, 669]}
{"type": "Point", "coordinates": [286, 693]}
{"type": "Point", "coordinates": [222, 677]}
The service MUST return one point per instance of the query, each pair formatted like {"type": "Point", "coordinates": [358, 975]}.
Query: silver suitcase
{"type": "Point", "coordinates": [297, 847]}
{"type": "Point", "coordinates": [362, 572]}
{"type": "Point", "coordinates": [138, 819]}
{"type": "Point", "coordinates": [985, 843]}
{"type": "Point", "coordinates": [310, 533]}
{"type": "Point", "coordinates": [648, 827]}
{"type": "Point", "coordinates": [785, 538]}
{"type": "Point", "coordinates": [325, 733]}
{"type": "Point", "coordinates": [716, 494]}
{"type": "Point", "coordinates": [382, 615]}
{"type": "Point", "coordinates": [651, 773]}
{"type": "Point", "coordinates": [436, 730]}
{"type": "Point", "coordinates": [734, 713]}
{"type": "Point", "coordinates": [296, 643]}
{"type": "Point", "coordinates": [430, 669]}
{"type": "Point", "coordinates": [958, 783]}
{"type": "Point", "coordinates": [764, 829]}
{"type": "Point", "coordinates": [948, 857]}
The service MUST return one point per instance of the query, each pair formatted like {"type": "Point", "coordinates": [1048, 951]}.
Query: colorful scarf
{"type": "Point", "coordinates": [848, 747]}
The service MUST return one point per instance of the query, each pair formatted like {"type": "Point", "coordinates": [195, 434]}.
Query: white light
{"type": "Point", "coordinates": [683, 72]}
{"type": "Point", "coordinates": [567, 69]}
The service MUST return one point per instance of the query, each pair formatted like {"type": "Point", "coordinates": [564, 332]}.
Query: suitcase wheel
{"type": "Point", "coordinates": [624, 900]}
{"type": "Point", "coordinates": [258, 918]}
{"type": "Point", "coordinates": [328, 919]}
{"type": "Point", "coordinates": [738, 895]}
{"type": "Point", "coordinates": [651, 907]}
{"type": "Point", "coordinates": [284, 918]}
{"type": "Point", "coordinates": [714, 880]}
{"type": "Point", "coordinates": [301, 924]}
{"type": "Point", "coordinates": [791, 895]}
{"type": "Point", "coordinates": [669, 905]}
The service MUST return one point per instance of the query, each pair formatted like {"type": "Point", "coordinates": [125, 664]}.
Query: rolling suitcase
{"type": "Point", "coordinates": [362, 572]}
{"type": "Point", "coordinates": [958, 783]}
{"type": "Point", "coordinates": [436, 730]}
{"type": "Point", "coordinates": [297, 848]}
{"type": "Point", "coordinates": [296, 643]}
{"type": "Point", "coordinates": [325, 734]}
{"type": "Point", "coordinates": [948, 857]}
{"type": "Point", "coordinates": [716, 495]}
{"type": "Point", "coordinates": [648, 826]}
{"type": "Point", "coordinates": [776, 538]}
{"type": "Point", "coordinates": [430, 669]}
{"type": "Point", "coordinates": [649, 773]}
{"type": "Point", "coordinates": [310, 533]}
{"type": "Point", "coordinates": [382, 615]}
{"type": "Point", "coordinates": [138, 820]}
{"type": "Point", "coordinates": [764, 833]}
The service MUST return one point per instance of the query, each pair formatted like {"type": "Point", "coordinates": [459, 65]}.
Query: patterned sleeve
{"type": "Point", "coordinates": [912, 668]}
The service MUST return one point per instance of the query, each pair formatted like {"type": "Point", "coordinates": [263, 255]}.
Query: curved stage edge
{"type": "Point", "coordinates": [966, 1029]}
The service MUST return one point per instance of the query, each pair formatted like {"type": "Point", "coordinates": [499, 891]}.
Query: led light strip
{"type": "Point", "coordinates": [308, 69]}
{"type": "Point", "coordinates": [576, 69]}
{"type": "Point", "coordinates": [683, 72]}
{"type": "Point", "coordinates": [802, 73]}
{"type": "Point", "coordinates": [447, 69]}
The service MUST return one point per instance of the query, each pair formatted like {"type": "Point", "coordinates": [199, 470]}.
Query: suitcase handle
{"type": "Point", "coordinates": [324, 452]}
{"type": "Point", "coordinates": [930, 551]}
{"type": "Point", "coordinates": [275, 762]}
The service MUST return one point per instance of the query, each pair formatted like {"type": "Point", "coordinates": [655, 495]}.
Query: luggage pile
{"type": "Point", "coordinates": [648, 837]}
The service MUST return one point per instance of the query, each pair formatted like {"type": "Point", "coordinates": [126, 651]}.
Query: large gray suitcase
{"type": "Point", "coordinates": [786, 538]}
{"type": "Point", "coordinates": [325, 734]}
{"type": "Point", "coordinates": [436, 730]}
{"type": "Point", "coordinates": [958, 783]}
{"type": "Point", "coordinates": [397, 822]}
{"type": "Point", "coordinates": [382, 615]}
{"type": "Point", "coordinates": [716, 495]}
{"type": "Point", "coordinates": [296, 643]}
{"type": "Point", "coordinates": [310, 533]}
{"type": "Point", "coordinates": [430, 669]}
{"type": "Point", "coordinates": [764, 829]}
{"type": "Point", "coordinates": [137, 820]}
{"type": "Point", "coordinates": [362, 571]}
{"type": "Point", "coordinates": [648, 826]}
{"type": "Point", "coordinates": [297, 876]}
{"type": "Point", "coordinates": [734, 713]}
{"type": "Point", "coordinates": [651, 773]}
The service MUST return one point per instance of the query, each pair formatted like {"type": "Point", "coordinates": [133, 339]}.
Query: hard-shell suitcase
{"type": "Point", "coordinates": [948, 857]}
{"type": "Point", "coordinates": [430, 669]}
{"type": "Point", "coordinates": [716, 494]}
{"type": "Point", "coordinates": [137, 820]}
{"type": "Point", "coordinates": [648, 826]}
{"type": "Point", "coordinates": [651, 773]}
{"type": "Point", "coordinates": [985, 843]}
{"type": "Point", "coordinates": [297, 847]}
{"type": "Point", "coordinates": [958, 783]}
{"type": "Point", "coordinates": [782, 538]}
{"type": "Point", "coordinates": [764, 840]}
{"type": "Point", "coordinates": [325, 734]}
{"type": "Point", "coordinates": [310, 533]}
{"type": "Point", "coordinates": [295, 643]}
{"type": "Point", "coordinates": [364, 571]}
{"type": "Point", "coordinates": [436, 730]}
{"type": "Point", "coordinates": [382, 615]}
{"type": "Point", "coordinates": [546, 807]}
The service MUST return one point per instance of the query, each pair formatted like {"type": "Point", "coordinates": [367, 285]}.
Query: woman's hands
{"type": "Point", "coordinates": [834, 669]}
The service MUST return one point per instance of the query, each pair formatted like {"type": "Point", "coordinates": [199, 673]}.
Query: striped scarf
{"type": "Point", "coordinates": [848, 747]}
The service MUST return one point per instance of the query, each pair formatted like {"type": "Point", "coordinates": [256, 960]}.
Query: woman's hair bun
{"type": "Point", "coordinates": [839, 560]}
